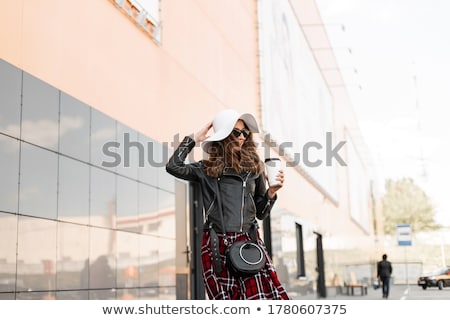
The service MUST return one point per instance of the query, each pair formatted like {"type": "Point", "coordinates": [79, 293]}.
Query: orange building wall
{"type": "Point", "coordinates": [208, 60]}
{"type": "Point", "coordinates": [91, 50]}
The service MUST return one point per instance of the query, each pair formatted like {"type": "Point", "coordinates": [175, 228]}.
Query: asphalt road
{"type": "Point", "coordinates": [397, 292]}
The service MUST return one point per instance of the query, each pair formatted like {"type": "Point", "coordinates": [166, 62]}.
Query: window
{"type": "Point", "coordinates": [145, 13]}
{"type": "Point", "coordinates": [152, 9]}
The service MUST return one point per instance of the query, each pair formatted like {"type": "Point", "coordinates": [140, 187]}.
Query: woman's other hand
{"type": "Point", "coordinates": [273, 189]}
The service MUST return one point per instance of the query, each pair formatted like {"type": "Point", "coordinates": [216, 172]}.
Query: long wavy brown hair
{"type": "Point", "coordinates": [226, 153]}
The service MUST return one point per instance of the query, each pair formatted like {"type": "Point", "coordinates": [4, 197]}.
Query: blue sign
{"type": "Point", "coordinates": [404, 234]}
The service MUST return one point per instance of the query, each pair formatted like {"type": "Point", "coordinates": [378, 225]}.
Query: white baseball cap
{"type": "Point", "coordinates": [224, 122]}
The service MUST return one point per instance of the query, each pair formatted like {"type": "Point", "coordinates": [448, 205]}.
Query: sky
{"type": "Point", "coordinates": [400, 90]}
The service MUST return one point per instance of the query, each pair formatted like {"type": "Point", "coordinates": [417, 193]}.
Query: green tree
{"type": "Point", "coordinates": [406, 203]}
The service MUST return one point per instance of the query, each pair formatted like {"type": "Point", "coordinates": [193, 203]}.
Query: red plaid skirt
{"type": "Point", "coordinates": [226, 286]}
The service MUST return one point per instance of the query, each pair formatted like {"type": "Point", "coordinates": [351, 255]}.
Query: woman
{"type": "Point", "coordinates": [234, 170]}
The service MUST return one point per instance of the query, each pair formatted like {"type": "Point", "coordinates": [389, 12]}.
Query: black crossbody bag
{"type": "Point", "coordinates": [244, 258]}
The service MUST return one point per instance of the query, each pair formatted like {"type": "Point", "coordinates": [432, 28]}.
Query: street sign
{"type": "Point", "coordinates": [404, 234]}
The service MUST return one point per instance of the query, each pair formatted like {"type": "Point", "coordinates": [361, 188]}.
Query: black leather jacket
{"type": "Point", "coordinates": [244, 196]}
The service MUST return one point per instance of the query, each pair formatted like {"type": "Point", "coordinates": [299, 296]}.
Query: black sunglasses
{"type": "Point", "coordinates": [237, 133]}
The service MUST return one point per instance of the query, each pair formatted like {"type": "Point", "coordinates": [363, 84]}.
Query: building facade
{"type": "Point", "coordinates": [94, 96]}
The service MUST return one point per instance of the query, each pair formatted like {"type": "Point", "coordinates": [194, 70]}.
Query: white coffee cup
{"type": "Point", "coordinates": [273, 166]}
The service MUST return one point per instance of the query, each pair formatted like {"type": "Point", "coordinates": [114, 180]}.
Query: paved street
{"type": "Point", "coordinates": [397, 292]}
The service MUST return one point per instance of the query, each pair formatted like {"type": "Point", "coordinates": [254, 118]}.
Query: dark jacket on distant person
{"type": "Point", "coordinates": [384, 269]}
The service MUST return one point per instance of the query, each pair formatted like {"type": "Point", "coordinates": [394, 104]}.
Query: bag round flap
{"type": "Point", "coordinates": [246, 257]}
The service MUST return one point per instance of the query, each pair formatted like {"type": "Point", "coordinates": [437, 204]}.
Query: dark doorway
{"type": "Point", "coordinates": [321, 288]}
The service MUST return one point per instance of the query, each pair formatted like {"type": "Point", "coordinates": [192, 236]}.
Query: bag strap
{"type": "Point", "coordinates": [219, 203]}
{"type": "Point", "coordinates": [213, 233]}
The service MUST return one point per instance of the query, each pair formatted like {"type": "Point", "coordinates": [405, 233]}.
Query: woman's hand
{"type": "Point", "coordinates": [203, 133]}
{"type": "Point", "coordinates": [273, 190]}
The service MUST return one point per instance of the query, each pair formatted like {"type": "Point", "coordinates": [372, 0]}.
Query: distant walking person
{"type": "Point", "coordinates": [384, 271]}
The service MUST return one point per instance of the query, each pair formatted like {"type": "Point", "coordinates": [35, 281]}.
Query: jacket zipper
{"type": "Point", "coordinates": [244, 185]}
{"type": "Point", "coordinates": [209, 208]}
